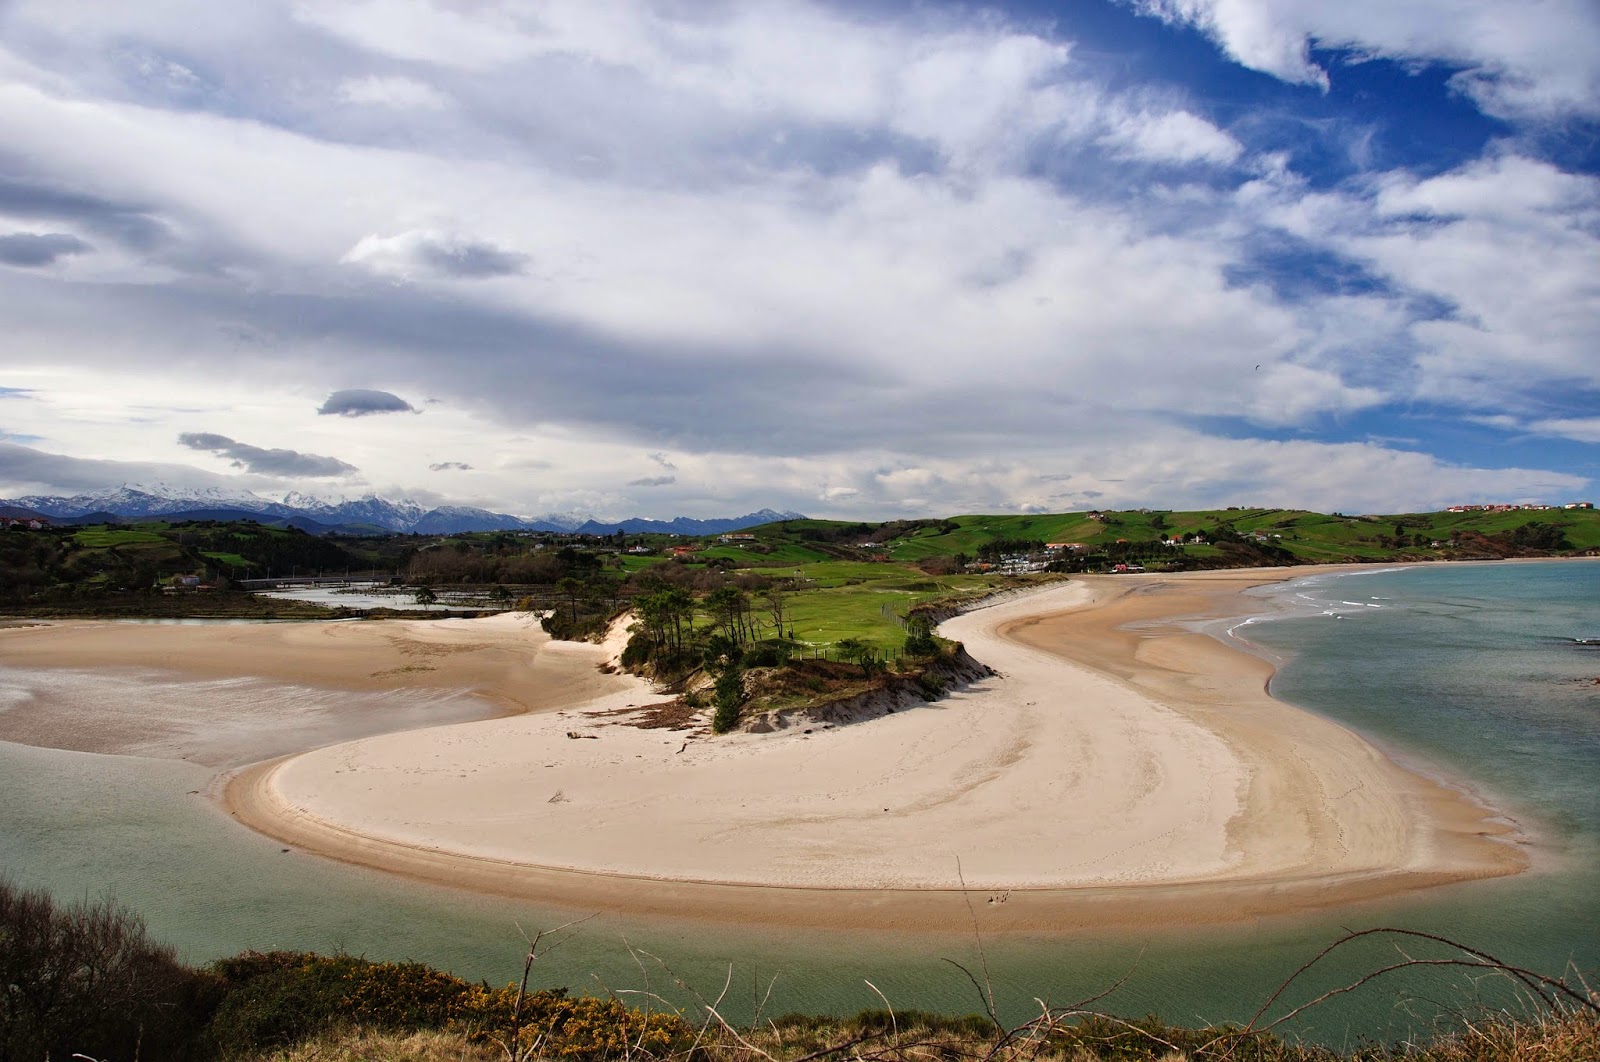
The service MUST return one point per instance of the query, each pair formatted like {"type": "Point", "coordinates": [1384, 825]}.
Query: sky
{"type": "Point", "coordinates": [866, 260]}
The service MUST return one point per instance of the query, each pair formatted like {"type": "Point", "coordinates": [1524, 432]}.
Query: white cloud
{"type": "Point", "coordinates": [422, 30]}
{"type": "Point", "coordinates": [1520, 59]}
{"type": "Point", "coordinates": [1581, 429]}
{"type": "Point", "coordinates": [1462, 237]}
{"type": "Point", "coordinates": [1492, 266]}
{"type": "Point", "coordinates": [1176, 136]}
{"type": "Point", "coordinates": [399, 93]}
{"type": "Point", "coordinates": [432, 253]}
{"type": "Point", "coordinates": [1253, 33]}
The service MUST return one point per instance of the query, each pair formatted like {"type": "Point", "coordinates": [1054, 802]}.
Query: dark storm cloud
{"type": "Point", "coordinates": [360, 402]}
{"type": "Point", "coordinates": [521, 367]}
{"type": "Point", "coordinates": [25, 467]}
{"type": "Point", "coordinates": [526, 367]}
{"type": "Point", "coordinates": [270, 462]}
{"type": "Point", "coordinates": [131, 225]}
{"type": "Point", "coordinates": [29, 249]}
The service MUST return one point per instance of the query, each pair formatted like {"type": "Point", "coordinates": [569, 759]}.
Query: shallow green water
{"type": "Point", "coordinates": [1461, 670]}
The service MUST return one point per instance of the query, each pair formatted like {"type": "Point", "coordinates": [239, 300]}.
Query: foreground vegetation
{"type": "Point", "coordinates": [882, 1036]}
{"type": "Point", "coordinates": [85, 980]}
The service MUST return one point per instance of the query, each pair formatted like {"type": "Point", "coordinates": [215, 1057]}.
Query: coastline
{"type": "Point", "coordinates": [1232, 819]}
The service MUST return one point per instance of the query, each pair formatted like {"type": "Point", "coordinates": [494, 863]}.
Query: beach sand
{"type": "Point", "coordinates": [1106, 775]}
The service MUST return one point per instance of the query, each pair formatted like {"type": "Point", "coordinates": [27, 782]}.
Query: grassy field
{"type": "Point", "coordinates": [230, 560]}
{"type": "Point", "coordinates": [106, 537]}
{"type": "Point", "coordinates": [837, 605]}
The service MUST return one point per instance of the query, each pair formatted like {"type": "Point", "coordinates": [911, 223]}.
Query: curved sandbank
{"type": "Point", "coordinates": [1106, 775]}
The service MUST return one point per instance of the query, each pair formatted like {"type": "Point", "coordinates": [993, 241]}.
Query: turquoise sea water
{"type": "Point", "coordinates": [1476, 672]}
{"type": "Point", "coordinates": [1470, 672]}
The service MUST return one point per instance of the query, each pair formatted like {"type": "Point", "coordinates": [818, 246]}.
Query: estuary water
{"type": "Point", "coordinates": [1475, 673]}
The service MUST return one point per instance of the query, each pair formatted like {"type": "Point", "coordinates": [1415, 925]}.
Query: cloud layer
{"type": "Point", "coordinates": [802, 255]}
{"type": "Point", "coordinates": [30, 249]}
{"type": "Point", "coordinates": [274, 462]}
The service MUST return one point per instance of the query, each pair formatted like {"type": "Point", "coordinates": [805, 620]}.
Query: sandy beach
{"type": "Point", "coordinates": [1120, 768]}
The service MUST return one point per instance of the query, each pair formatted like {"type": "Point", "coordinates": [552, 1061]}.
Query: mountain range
{"type": "Point", "coordinates": [367, 515]}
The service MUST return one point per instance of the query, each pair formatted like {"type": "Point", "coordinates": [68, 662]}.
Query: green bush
{"type": "Point", "coordinates": [920, 640]}
{"type": "Point", "coordinates": [773, 653]}
{"type": "Point", "coordinates": [729, 696]}
{"type": "Point", "coordinates": [276, 999]}
{"type": "Point", "coordinates": [638, 651]}
{"type": "Point", "coordinates": [564, 627]}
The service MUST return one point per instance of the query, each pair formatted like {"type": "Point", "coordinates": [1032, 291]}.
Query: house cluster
{"type": "Point", "coordinates": [180, 583]}
{"type": "Point", "coordinates": [1012, 564]}
{"type": "Point", "coordinates": [28, 523]}
{"type": "Point", "coordinates": [1514, 507]}
{"type": "Point", "coordinates": [738, 537]}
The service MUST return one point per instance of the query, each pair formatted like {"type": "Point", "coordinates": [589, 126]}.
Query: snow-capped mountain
{"type": "Point", "coordinates": [380, 512]}
{"type": "Point", "coordinates": [139, 501]}
{"type": "Point", "coordinates": [450, 519]}
{"type": "Point", "coordinates": [153, 499]}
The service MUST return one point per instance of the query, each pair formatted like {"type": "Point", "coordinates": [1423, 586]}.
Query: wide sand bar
{"type": "Point", "coordinates": [1109, 774]}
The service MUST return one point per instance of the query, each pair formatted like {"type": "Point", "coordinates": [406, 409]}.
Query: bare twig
{"type": "Point", "coordinates": [894, 1026]}
{"type": "Point", "coordinates": [1552, 992]}
{"type": "Point", "coordinates": [711, 1011]}
{"type": "Point", "coordinates": [983, 959]}
{"type": "Point", "coordinates": [514, 1050]}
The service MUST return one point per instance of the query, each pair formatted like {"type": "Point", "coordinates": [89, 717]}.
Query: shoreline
{"type": "Point", "coordinates": [1267, 858]}
{"type": "Point", "coordinates": [1027, 837]}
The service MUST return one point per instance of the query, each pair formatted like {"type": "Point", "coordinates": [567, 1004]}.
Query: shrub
{"type": "Point", "coordinates": [581, 1028]}
{"type": "Point", "coordinates": [919, 636]}
{"type": "Point", "coordinates": [85, 978]}
{"type": "Point", "coordinates": [722, 651]}
{"type": "Point", "coordinates": [564, 627]}
{"type": "Point", "coordinates": [280, 999]}
{"type": "Point", "coordinates": [729, 696]}
{"type": "Point", "coordinates": [638, 650]}
{"type": "Point", "coordinates": [277, 999]}
{"type": "Point", "coordinates": [769, 654]}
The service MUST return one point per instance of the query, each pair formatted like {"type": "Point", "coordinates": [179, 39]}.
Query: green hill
{"type": "Point", "coordinates": [1259, 535]}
